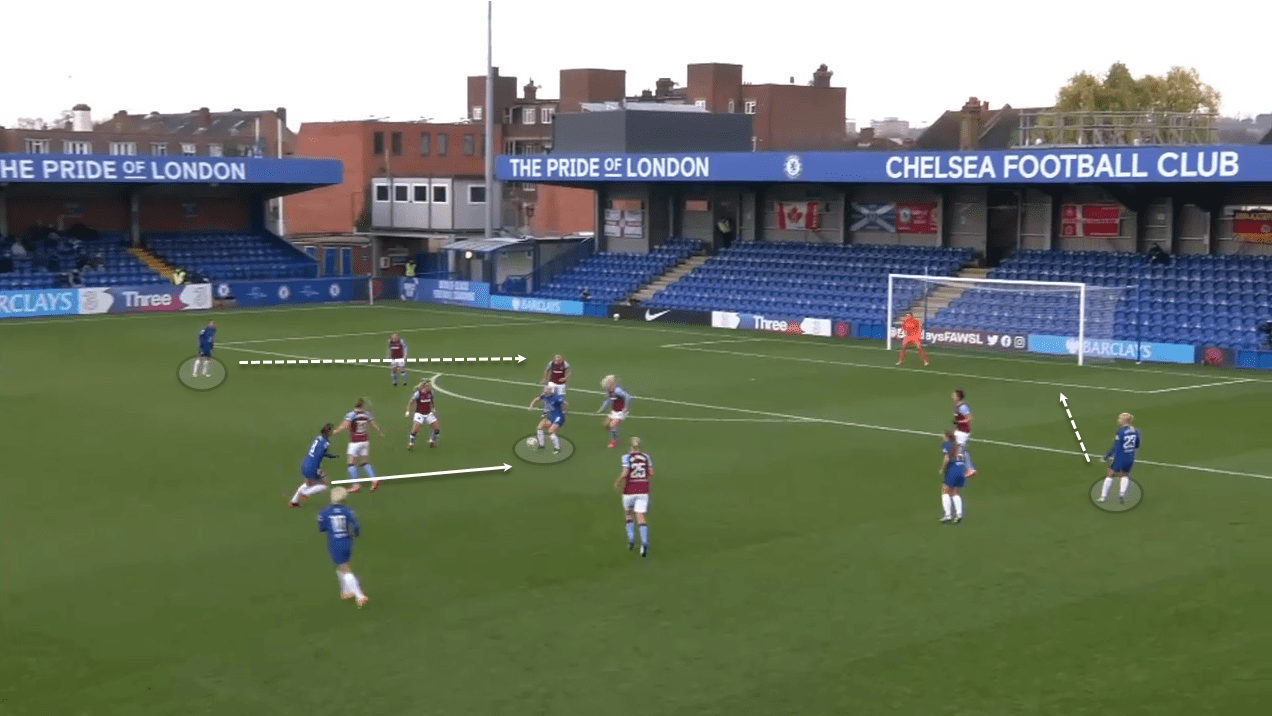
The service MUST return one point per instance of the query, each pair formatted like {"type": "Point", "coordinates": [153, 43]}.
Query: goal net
{"type": "Point", "coordinates": [1062, 318]}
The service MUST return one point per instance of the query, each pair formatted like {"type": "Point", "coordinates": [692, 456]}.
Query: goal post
{"type": "Point", "coordinates": [1073, 312]}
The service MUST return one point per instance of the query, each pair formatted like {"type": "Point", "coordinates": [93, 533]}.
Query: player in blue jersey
{"type": "Point", "coordinates": [206, 337]}
{"type": "Point", "coordinates": [311, 467]}
{"type": "Point", "coordinates": [617, 400]}
{"type": "Point", "coordinates": [1121, 457]}
{"type": "Point", "coordinates": [554, 409]}
{"type": "Point", "coordinates": [341, 526]}
{"type": "Point", "coordinates": [953, 477]}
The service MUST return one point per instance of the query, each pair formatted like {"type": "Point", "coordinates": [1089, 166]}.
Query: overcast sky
{"type": "Point", "coordinates": [336, 60]}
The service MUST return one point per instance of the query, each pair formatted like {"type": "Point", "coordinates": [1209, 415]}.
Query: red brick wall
{"type": "Point", "coordinates": [590, 85]}
{"type": "Point", "coordinates": [101, 213]}
{"type": "Point", "coordinates": [560, 210]}
{"type": "Point", "coordinates": [798, 117]}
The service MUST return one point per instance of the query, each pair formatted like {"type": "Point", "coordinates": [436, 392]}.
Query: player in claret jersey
{"type": "Point", "coordinates": [617, 400]}
{"type": "Point", "coordinates": [397, 358]}
{"type": "Point", "coordinates": [357, 422]}
{"type": "Point", "coordinates": [963, 430]}
{"type": "Point", "coordinates": [1122, 457]}
{"type": "Point", "coordinates": [422, 404]}
{"type": "Point", "coordinates": [913, 334]}
{"type": "Point", "coordinates": [555, 375]}
{"type": "Point", "coordinates": [633, 482]}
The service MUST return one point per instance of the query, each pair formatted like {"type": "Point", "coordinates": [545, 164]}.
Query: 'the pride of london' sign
{"type": "Point", "coordinates": [1049, 166]}
{"type": "Point", "coordinates": [92, 169]}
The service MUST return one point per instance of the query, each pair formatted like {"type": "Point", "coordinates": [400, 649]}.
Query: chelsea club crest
{"type": "Point", "coordinates": [793, 167]}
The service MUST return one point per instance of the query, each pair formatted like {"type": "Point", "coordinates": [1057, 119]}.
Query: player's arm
{"type": "Point", "coordinates": [409, 402]}
{"type": "Point", "coordinates": [377, 428]}
{"type": "Point", "coordinates": [536, 400]}
{"type": "Point", "coordinates": [565, 406]}
{"type": "Point", "coordinates": [405, 351]}
{"type": "Point", "coordinates": [1109, 455]}
{"type": "Point", "coordinates": [322, 522]}
{"type": "Point", "coordinates": [605, 404]}
{"type": "Point", "coordinates": [621, 482]}
{"type": "Point", "coordinates": [627, 400]}
{"type": "Point", "coordinates": [354, 528]}
{"type": "Point", "coordinates": [945, 462]}
{"type": "Point", "coordinates": [343, 427]}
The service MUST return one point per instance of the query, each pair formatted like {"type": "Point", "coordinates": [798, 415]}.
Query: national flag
{"type": "Point", "coordinates": [874, 217]}
{"type": "Point", "coordinates": [1252, 226]}
{"type": "Point", "coordinates": [797, 215]}
{"type": "Point", "coordinates": [916, 217]}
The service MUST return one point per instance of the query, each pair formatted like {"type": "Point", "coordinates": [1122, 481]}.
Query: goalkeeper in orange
{"type": "Point", "coordinates": [913, 334]}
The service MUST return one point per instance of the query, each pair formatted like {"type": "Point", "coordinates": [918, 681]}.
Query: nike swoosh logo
{"type": "Point", "coordinates": [655, 316]}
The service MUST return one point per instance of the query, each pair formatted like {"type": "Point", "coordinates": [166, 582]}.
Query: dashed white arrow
{"type": "Point", "coordinates": [347, 361]}
{"type": "Point", "coordinates": [1072, 423]}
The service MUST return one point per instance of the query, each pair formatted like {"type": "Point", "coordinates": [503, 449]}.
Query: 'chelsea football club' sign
{"type": "Point", "coordinates": [1078, 165]}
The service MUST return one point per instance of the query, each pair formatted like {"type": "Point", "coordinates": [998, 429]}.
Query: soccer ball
{"type": "Point", "coordinates": [532, 442]}
{"type": "Point", "coordinates": [615, 316]}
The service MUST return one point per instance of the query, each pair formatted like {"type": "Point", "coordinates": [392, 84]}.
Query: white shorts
{"type": "Point", "coordinates": [554, 389]}
{"type": "Point", "coordinates": [961, 438]}
{"type": "Point", "coordinates": [617, 415]}
{"type": "Point", "coordinates": [421, 418]}
{"type": "Point", "coordinates": [397, 363]}
{"type": "Point", "coordinates": [636, 503]}
{"type": "Point", "coordinates": [359, 449]}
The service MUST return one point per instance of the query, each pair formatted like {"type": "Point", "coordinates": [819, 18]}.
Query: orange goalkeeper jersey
{"type": "Point", "coordinates": [912, 329]}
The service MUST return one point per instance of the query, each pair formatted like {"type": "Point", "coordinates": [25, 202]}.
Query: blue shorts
{"type": "Point", "coordinates": [340, 551]}
{"type": "Point", "coordinates": [557, 420]}
{"type": "Point", "coordinates": [205, 352]}
{"type": "Point", "coordinates": [954, 479]}
{"type": "Point", "coordinates": [310, 473]}
{"type": "Point", "coordinates": [1122, 464]}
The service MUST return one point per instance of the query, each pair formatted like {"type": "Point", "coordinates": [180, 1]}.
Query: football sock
{"type": "Point", "coordinates": [300, 492]}
{"type": "Point", "coordinates": [195, 372]}
{"type": "Point", "coordinates": [367, 469]}
{"type": "Point", "coordinates": [355, 587]}
{"type": "Point", "coordinates": [412, 438]}
{"type": "Point", "coordinates": [958, 505]}
{"type": "Point", "coordinates": [613, 435]}
{"type": "Point", "coordinates": [967, 460]}
{"type": "Point", "coordinates": [353, 472]}
{"type": "Point", "coordinates": [540, 438]}
{"type": "Point", "coordinates": [644, 533]}
{"type": "Point", "coordinates": [1124, 486]}
{"type": "Point", "coordinates": [435, 434]}
{"type": "Point", "coordinates": [945, 504]}
{"type": "Point", "coordinates": [1104, 491]}
{"type": "Point", "coordinates": [631, 531]}
{"type": "Point", "coordinates": [313, 489]}
{"type": "Point", "coordinates": [556, 442]}
{"type": "Point", "coordinates": [344, 583]}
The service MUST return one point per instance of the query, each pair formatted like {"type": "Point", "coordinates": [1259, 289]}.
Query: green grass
{"type": "Point", "coordinates": [151, 566]}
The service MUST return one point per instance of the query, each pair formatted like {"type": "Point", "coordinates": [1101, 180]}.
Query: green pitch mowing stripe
{"type": "Point", "coordinates": [151, 565]}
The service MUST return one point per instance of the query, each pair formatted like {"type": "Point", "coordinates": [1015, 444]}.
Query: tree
{"type": "Point", "coordinates": [40, 123]}
{"type": "Point", "coordinates": [1179, 90]}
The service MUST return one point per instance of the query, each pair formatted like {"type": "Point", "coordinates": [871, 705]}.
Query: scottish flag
{"type": "Point", "coordinates": [874, 217]}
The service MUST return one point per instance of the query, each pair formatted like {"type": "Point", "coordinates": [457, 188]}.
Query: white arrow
{"type": "Point", "coordinates": [504, 468]}
{"type": "Point", "coordinates": [342, 361]}
{"type": "Point", "coordinates": [1065, 402]}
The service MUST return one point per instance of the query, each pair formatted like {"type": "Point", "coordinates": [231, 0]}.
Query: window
{"type": "Point", "coordinates": [754, 143]}
{"type": "Point", "coordinates": [76, 147]}
{"type": "Point", "coordinates": [527, 115]}
{"type": "Point", "coordinates": [546, 114]}
{"type": "Point", "coordinates": [426, 143]}
{"type": "Point", "coordinates": [732, 106]}
{"type": "Point", "coordinates": [510, 147]}
{"type": "Point", "coordinates": [37, 146]}
{"type": "Point", "coordinates": [188, 150]}
{"type": "Point", "coordinates": [476, 193]}
{"type": "Point", "coordinates": [439, 194]}
{"type": "Point", "coordinates": [442, 141]}
{"type": "Point", "coordinates": [395, 140]}
{"type": "Point", "coordinates": [470, 145]}
{"type": "Point", "coordinates": [377, 143]}
{"type": "Point", "coordinates": [381, 192]}
{"type": "Point", "coordinates": [749, 106]}
{"type": "Point", "coordinates": [421, 193]}
{"type": "Point", "coordinates": [700, 103]}
{"type": "Point", "coordinates": [481, 144]}
{"type": "Point", "coordinates": [214, 150]}
{"type": "Point", "coordinates": [159, 149]}
{"type": "Point", "coordinates": [507, 115]}
{"type": "Point", "coordinates": [401, 193]}
{"type": "Point", "coordinates": [476, 115]}
{"type": "Point", "coordinates": [123, 149]}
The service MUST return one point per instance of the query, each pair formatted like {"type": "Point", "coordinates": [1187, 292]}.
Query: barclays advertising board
{"type": "Point", "coordinates": [1120, 350]}
{"type": "Point", "coordinates": [458, 293]}
{"type": "Point", "coordinates": [32, 304]}
{"type": "Point", "coordinates": [286, 292]}
{"type": "Point", "coordinates": [536, 305]}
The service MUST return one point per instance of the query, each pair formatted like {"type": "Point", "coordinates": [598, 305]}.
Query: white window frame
{"type": "Point", "coordinates": [123, 149]}
{"type": "Point", "coordinates": [375, 192]}
{"type": "Point", "coordinates": [749, 106]}
{"type": "Point", "coordinates": [470, 194]}
{"type": "Point", "coordinates": [700, 103]}
{"type": "Point", "coordinates": [546, 115]}
{"type": "Point", "coordinates": [445, 194]}
{"type": "Point", "coordinates": [755, 141]}
{"type": "Point", "coordinates": [415, 193]}
{"type": "Point", "coordinates": [527, 115]}
{"type": "Point", "coordinates": [507, 118]}
{"type": "Point", "coordinates": [76, 146]}
{"type": "Point", "coordinates": [188, 149]}
{"type": "Point", "coordinates": [732, 106]}
{"type": "Point", "coordinates": [405, 193]}
{"type": "Point", "coordinates": [215, 150]}
{"type": "Point", "coordinates": [159, 149]}
{"type": "Point", "coordinates": [476, 113]}
{"type": "Point", "coordinates": [37, 146]}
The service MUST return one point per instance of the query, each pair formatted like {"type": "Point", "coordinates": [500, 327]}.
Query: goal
{"type": "Point", "coordinates": [1061, 317]}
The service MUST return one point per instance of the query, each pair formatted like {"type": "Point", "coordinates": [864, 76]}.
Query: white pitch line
{"type": "Point", "coordinates": [305, 361]}
{"type": "Point", "coordinates": [1204, 385]}
{"type": "Point", "coordinates": [844, 423]}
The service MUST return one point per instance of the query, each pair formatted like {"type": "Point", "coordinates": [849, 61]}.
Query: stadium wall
{"type": "Point", "coordinates": [105, 213]}
{"type": "Point", "coordinates": [177, 213]}
{"type": "Point", "coordinates": [876, 196]}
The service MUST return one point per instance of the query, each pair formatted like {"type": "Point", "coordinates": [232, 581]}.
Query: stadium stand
{"type": "Point", "coordinates": [842, 282]}
{"type": "Point", "coordinates": [1203, 300]}
{"type": "Point", "coordinates": [611, 277]}
{"type": "Point", "coordinates": [52, 263]}
{"type": "Point", "coordinates": [232, 255]}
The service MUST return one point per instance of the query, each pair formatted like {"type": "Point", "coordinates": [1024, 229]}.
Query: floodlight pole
{"type": "Point", "coordinates": [489, 117]}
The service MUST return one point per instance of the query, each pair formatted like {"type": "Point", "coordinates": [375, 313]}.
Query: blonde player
{"type": "Point", "coordinates": [633, 482]}
{"type": "Point", "coordinates": [356, 422]}
{"type": "Point", "coordinates": [617, 400]}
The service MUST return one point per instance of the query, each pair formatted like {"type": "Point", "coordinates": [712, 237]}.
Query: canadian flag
{"type": "Point", "coordinates": [797, 215]}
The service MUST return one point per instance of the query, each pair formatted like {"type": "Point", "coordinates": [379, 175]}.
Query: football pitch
{"type": "Point", "coordinates": [151, 564]}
